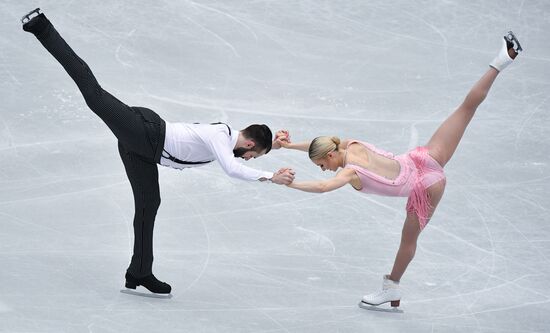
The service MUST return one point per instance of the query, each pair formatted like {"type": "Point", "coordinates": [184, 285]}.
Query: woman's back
{"type": "Point", "coordinates": [372, 159]}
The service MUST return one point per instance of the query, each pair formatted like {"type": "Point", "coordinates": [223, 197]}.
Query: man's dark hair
{"type": "Point", "coordinates": [261, 135]}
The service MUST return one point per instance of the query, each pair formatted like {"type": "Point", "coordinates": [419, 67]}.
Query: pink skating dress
{"type": "Point", "coordinates": [418, 172]}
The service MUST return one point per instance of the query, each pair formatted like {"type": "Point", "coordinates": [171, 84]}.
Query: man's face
{"type": "Point", "coordinates": [247, 153]}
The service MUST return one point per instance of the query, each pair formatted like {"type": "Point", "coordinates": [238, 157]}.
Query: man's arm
{"type": "Point", "coordinates": [284, 176]}
{"type": "Point", "coordinates": [220, 144]}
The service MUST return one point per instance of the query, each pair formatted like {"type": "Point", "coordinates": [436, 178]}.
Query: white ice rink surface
{"type": "Point", "coordinates": [253, 257]}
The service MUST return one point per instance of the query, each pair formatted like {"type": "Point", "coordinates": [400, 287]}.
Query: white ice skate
{"type": "Point", "coordinates": [390, 293]}
{"type": "Point", "coordinates": [503, 59]}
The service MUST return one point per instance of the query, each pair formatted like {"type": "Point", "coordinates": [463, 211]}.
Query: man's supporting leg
{"type": "Point", "coordinates": [143, 176]}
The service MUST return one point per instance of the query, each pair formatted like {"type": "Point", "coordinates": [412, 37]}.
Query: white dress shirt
{"type": "Point", "coordinates": [205, 142]}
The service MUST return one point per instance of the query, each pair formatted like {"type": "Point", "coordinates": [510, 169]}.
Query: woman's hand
{"type": "Point", "coordinates": [284, 176]}
{"type": "Point", "coordinates": [282, 139]}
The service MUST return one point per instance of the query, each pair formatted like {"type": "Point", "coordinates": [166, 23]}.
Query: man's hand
{"type": "Point", "coordinates": [284, 176]}
{"type": "Point", "coordinates": [282, 139]}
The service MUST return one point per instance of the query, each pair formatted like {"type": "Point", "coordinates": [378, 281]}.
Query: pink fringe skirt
{"type": "Point", "coordinates": [428, 172]}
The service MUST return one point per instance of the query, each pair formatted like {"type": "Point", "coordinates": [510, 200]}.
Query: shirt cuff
{"type": "Point", "coordinates": [267, 175]}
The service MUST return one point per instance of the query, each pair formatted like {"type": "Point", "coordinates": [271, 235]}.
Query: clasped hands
{"type": "Point", "coordinates": [284, 176]}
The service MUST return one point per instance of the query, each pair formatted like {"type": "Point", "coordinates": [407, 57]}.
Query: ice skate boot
{"type": "Point", "coordinates": [150, 282]}
{"type": "Point", "coordinates": [510, 49]}
{"type": "Point", "coordinates": [35, 22]}
{"type": "Point", "coordinates": [390, 293]}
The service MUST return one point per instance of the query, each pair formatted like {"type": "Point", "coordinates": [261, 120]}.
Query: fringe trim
{"type": "Point", "coordinates": [419, 201]}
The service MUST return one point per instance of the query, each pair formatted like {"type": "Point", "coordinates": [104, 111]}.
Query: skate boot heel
{"type": "Point", "coordinates": [390, 293]}
{"type": "Point", "coordinates": [26, 18]}
{"type": "Point", "coordinates": [131, 285]}
{"type": "Point", "coordinates": [150, 282]}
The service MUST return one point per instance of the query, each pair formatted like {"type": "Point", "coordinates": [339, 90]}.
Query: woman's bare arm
{"type": "Point", "coordinates": [303, 146]}
{"type": "Point", "coordinates": [282, 139]}
{"type": "Point", "coordinates": [321, 186]}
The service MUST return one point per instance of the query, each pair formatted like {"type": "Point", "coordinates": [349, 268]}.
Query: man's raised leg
{"type": "Point", "coordinates": [125, 123]}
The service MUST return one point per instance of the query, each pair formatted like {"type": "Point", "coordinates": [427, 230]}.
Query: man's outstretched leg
{"type": "Point", "coordinates": [129, 125]}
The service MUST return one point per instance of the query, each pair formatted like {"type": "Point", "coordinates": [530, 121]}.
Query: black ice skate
{"type": "Point", "coordinates": [35, 22]}
{"type": "Point", "coordinates": [28, 17]}
{"type": "Point", "coordinates": [158, 288]}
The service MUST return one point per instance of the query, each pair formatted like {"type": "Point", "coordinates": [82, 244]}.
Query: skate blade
{"type": "Point", "coordinates": [369, 307]}
{"type": "Point", "coordinates": [28, 17]}
{"type": "Point", "coordinates": [513, 39]}
{"type": "Point", "coordinates": [142, 294]}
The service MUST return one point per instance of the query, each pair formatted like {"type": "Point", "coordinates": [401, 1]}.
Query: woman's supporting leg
{"type": "Point", "coordinates": [407, 247]}
{"type": "Point", "coordinates": [411, 231]}
{"type": "Point", "coordinates": [125, 122]}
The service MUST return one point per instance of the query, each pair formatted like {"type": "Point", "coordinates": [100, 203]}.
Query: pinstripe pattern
{"type": "Point", "coordinates": [140, 133]}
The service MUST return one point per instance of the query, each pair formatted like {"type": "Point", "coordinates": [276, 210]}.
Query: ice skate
{"type": "Point", "coordinates": [510, 49]}
{"type": "Point", "coordinates": [157, 288]}
{"type": "Point", "coordinates": [30, 15]}
{"type": "Point", "coordinates": [35, 22]}
{"type": "Point", "coordinates": [390, 293]}
{"type": "Point", "coordinates": [145, 294]}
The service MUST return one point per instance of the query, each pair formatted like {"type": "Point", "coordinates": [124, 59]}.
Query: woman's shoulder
{"type": "Point", "coordinates": [347, 171]}
{"type": "Point", "coordinates": [353, 145]}
{"type": "Point", "coordinates": [346, 142]}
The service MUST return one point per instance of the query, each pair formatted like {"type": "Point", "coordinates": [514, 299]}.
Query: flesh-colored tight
{"type": "Point", "coordinates": [441, 147]}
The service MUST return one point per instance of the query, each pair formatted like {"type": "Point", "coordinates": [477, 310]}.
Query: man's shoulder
{"type": "Point", "coordinates": [218, 136]}
{"type": "Point", "coordinates": [218, 131]}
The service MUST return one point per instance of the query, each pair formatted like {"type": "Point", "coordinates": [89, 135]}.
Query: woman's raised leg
{"type": "Point", "coordinates": [446, 138]}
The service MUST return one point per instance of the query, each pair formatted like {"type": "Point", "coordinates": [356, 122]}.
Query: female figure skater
{"type": "Point", "coordinates": [417, 174]}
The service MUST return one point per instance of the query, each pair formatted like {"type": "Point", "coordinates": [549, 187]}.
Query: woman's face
{"type": "Point", "coordinates": [328, 163]}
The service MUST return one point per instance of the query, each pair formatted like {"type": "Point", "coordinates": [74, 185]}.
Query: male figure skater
{"type": "Point", "coordinates": [145, 140]}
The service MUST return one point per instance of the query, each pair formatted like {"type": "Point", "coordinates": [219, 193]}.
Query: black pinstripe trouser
{"type": "Point", "coordinates": [140, 133]}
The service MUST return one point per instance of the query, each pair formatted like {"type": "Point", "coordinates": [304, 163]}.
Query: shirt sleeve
{"type": "Point", "coordinates": [220, 144]}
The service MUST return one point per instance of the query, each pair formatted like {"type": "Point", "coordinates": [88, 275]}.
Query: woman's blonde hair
{"type": "Point", "coordinates": [322, 145]}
